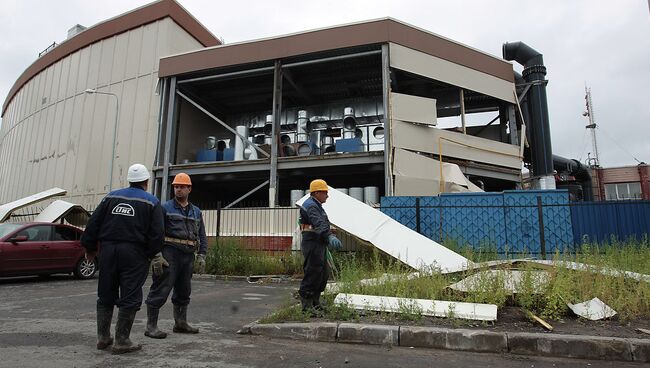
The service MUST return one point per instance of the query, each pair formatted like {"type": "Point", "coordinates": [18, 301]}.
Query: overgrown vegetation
{"type": "Point", "coordinates": [229, 256]}
{"type": "Point", "coordinates": [630, 298]}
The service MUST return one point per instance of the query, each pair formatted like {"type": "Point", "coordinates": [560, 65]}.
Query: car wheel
{"type": "Point", "coordinates": [85, 269]}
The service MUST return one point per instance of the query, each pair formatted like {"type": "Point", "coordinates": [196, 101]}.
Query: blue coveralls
{"type": "Point", "coordinates": [313, 247]}
{"type": "Point", "coordinates": [128, 226]}
{"type": "Point", "coordinates": [185, 224]}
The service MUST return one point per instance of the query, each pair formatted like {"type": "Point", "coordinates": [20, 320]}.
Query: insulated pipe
{"type": "Point", "coordinates": [242, 130]}
{"type": "Point", "coordinates": [534, 73]}
{"type": "Point", "coordinates": [577, 170]}
{"type": "Point", "coordinates": [302, 128]}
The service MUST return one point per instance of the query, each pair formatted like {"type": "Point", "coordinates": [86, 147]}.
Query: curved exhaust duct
{"type": "Point", "coordinates": [537, 106]}
{"type": "Point", "coordinates": [349, 123]}
{"type": "Point", "coordinates": [578, 171]}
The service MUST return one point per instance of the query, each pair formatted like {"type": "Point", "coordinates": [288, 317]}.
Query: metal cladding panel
{"type": "Point", "coordinates": [522, 221]}
{"type": "Point", "coordinates": [401, 209]}
{"type": "Point", "coordinates": [611, 221]}
{"type": "Point", "coordinates": [442, 70]}
{"type": "Point", "coordinates": [429, 139]}
{"type": "Point", "coordinates": [474, 220]}
{"type": "Point", "coordinates": [54, 134]}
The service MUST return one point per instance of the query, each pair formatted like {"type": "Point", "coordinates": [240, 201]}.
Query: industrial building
{"type": "Point", "coordinates": [87, 108]}
{"type": "Point", "coordinates": [357, 104]}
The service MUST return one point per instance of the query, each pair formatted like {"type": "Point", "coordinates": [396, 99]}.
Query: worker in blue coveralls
{"type": "Point", "coordinates": [173, 267]}
{"type": "Point", "coordinates": [128, 227]}
{"type": "Point", "coordinates": [316, 237]}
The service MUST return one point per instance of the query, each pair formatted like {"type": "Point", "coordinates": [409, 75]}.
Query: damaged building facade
{"type": "Point", "coordinates": [358, 105]}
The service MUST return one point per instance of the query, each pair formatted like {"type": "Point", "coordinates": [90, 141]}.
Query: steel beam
{"type": "Point", "coordinates": [171, 114]}
{"type": "Point", "coordinates": [275, 133]}
{"type": "Point", "coordinates": [246, 195]}
{"type": "Point", "coordinates": [385, 75]}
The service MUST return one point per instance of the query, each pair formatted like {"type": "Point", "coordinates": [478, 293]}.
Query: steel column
{"type": "Point", "coordinates": [385, 76]}
{"type": "Point", "coordinates": [171, 115]}
{"type": "Point", "coordinates": [275, 133]}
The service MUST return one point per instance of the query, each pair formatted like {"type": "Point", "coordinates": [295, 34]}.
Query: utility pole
{"type": "Point", "coordinates": [592, 161]}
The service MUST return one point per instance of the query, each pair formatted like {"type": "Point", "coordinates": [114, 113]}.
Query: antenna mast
{"type": "Point", "coordinates": [592, 161]}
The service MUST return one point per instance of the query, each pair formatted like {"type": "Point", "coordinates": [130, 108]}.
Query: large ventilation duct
{"type": "Point", "coordinates": [349, 123]}
{"type": "Point", "coordinates": [302, 128]}
{"type": "Point", "coordinates": [578, 171]}
{"type": "Point", "coordinates": [534, 75]}
{"type": "Point", "coordinates": [242, 130]}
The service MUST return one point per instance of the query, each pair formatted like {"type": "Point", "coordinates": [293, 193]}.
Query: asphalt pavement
{"type": "Point", "coordinates": [51, 323]}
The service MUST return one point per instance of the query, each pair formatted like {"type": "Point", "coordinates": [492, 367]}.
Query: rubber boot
{"type": "Point", "coordinates": [152, 324]}
{"type": "Point", "coordinates": [122, 332]}
{"type": "Point", "coordinates": [316, 301]}
{"type": "Point", "coordinates": [306, 303]}
{"type": "Point", "coordinates": [104, 318]}
{"type": "Point", "coordinates": [180, 320]}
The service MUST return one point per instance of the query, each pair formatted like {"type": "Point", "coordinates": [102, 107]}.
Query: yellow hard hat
{"type": "Point", "coordinates": [182, 179]}
{"type": "Point", "coordinates": [318, 185]}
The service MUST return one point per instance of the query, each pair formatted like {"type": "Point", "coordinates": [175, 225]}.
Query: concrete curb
{"type": "Point", "coordinates": [566, 346]}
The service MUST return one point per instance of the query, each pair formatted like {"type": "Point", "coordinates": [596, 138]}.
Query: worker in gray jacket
{"type": "Point", "coordinates": [316, 237]}
{"type": "Point", "coordinates": [173, 267]}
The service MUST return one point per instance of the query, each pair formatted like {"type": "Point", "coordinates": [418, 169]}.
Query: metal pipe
{"type": "Point", "coordinates": [577, 170]}
{"type": "Point", "coordinates": [302, 127]}
{"type": "Point", "coordinates": [534, 73]}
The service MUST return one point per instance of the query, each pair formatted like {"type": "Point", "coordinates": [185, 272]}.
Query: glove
{"type": "Point", "coordinates": [334, 243]}
{"type": "Point", "coordinates": [200, 263]}
{"type": "Point", "coordinates": [90, 255]}
{"type": "Point", "coordinates": [157, 264]}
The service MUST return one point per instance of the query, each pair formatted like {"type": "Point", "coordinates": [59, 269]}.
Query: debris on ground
{"type": "Point", "coordinates": [513, 281]}
{"type": "Point", "coordinates": [593, 309]}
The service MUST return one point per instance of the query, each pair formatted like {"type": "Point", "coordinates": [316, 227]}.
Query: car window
{"type": "Point", "coordinates": [62, 233]}
{"type": "Point", "coordinates": [7, 228]}
{"type": "Point", "coordinates": [37, 233]}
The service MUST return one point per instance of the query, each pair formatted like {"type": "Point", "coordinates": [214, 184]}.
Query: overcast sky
{"type": "Point", "coordinates": [603, 44]}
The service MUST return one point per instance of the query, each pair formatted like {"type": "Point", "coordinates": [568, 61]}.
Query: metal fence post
{"type": "Point", "coordinates": [540, 215]}
{"type": "Point", "coordinates": [417, 215]}
{"type": "Point", "coordinates": [218, 218]}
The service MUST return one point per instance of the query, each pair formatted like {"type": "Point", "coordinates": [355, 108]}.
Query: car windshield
{"type": "Point", "coordinates": [6, 228]}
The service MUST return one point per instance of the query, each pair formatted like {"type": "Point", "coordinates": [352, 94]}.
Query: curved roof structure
{"type": "Point", "coordinates": [122, 23]}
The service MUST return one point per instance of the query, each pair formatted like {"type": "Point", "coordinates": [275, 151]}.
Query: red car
{"type": "Point", "coordinates": [40, 248]}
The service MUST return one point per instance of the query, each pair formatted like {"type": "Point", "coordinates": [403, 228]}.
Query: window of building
{"type": "Point", "coordinates": [622, 191]}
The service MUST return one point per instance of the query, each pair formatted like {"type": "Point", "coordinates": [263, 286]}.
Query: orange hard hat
{"type": "Point", "coordinates": [182, 179]}
{"type": "Point", "coordinates": [318, 185]}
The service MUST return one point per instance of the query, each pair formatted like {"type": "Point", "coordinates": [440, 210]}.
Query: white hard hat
{"type": "Point", "coordinates": [137, 173]}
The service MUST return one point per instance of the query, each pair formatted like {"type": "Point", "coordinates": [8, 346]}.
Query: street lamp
{"type": "Point", "coordinates": [117, 113]}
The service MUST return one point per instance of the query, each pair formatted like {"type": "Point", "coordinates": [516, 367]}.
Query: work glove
{"type": "Point", "coordinates": [200, 263]}
{"type": "Point", "coordinates": [333, 242]}
{"type": "Point", "coordinates": [157, 264]}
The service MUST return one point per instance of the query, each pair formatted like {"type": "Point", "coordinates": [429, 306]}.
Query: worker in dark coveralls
{"type": "Point", "coordinates": [316, 237]}
{"type": "Point", "coordinates": [173, 267]}
{"type": "Point", "coordinates": [128, 227]}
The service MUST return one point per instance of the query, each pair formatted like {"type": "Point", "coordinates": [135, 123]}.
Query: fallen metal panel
{"type": "Point", "coordinates": [427, 139]}
{"type": "Point", "coordinates": [8, 208]}
{"type": "Point", "coordinates": [510, 280]}
{"type": "Point", "coordinates": [388, 235]}
{"type": "Point", "coordinates": [434, 308]}
{"type": "Point", "coordinates": [585, 267]}
{"type": "Point", "coordinates": [335, 287]}
{"type": "Point", "coordinates": [413, 109]}
{"type": "Point", "coordinates": [73, 213]}
{"type": "Point", "coordinates": [417, 62]}
{"type": "Point", "coordinates": [593, 309]}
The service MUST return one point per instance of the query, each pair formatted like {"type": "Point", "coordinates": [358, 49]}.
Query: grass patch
{"type": "Point", "coordinates": [229, 256]}
{"type": "Point", "coordinates": [630, 298]}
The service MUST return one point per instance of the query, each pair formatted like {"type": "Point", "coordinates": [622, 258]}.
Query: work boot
{"type": "Point", "coordinates": [180, 320]}
{"type": "Point", "coordinates": [104, 318]}
{"type": "Point", "coordinates": [316, 302]}
{"type": "Point", "coordinates": [152, 324]}
{"type": "Point", "coordinates": [306, 303]}
{"type": "Point", "coordinates": [122, 332]}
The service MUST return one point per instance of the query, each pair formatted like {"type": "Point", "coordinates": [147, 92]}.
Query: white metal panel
{"type": "Point", "coordinates": [593, 309]}
{"type": "Point", "coordinates": [7, 208]}
{"type": "Point", "coordinates": [148, 60]}
{"type": "Point", "coordinates": [413, 109]}
{"type": "Point", "coordinates": [586, 267]}
{"type": "Point", "coordinates": [73, 213]}
{"type": "Point", "coordinates": [119, 57]}
{"type": "Point", "coordinates": [409, 164]}
{"type": "Point", "coordinates": [439, 69]}
{"type": "Point", "coordinates": [388, 235]}
{"type": "Point", "coordinates": [434, 308]}
{"type": "Point", "coordinates": [426, 139]}
{"type": "Point", "coordinates": [513, 281]}
{"type": "Point", "coordinates": [133, 53]}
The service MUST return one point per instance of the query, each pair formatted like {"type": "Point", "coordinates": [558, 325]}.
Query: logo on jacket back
{"type": "Point", "coordinates": [123, 209]}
